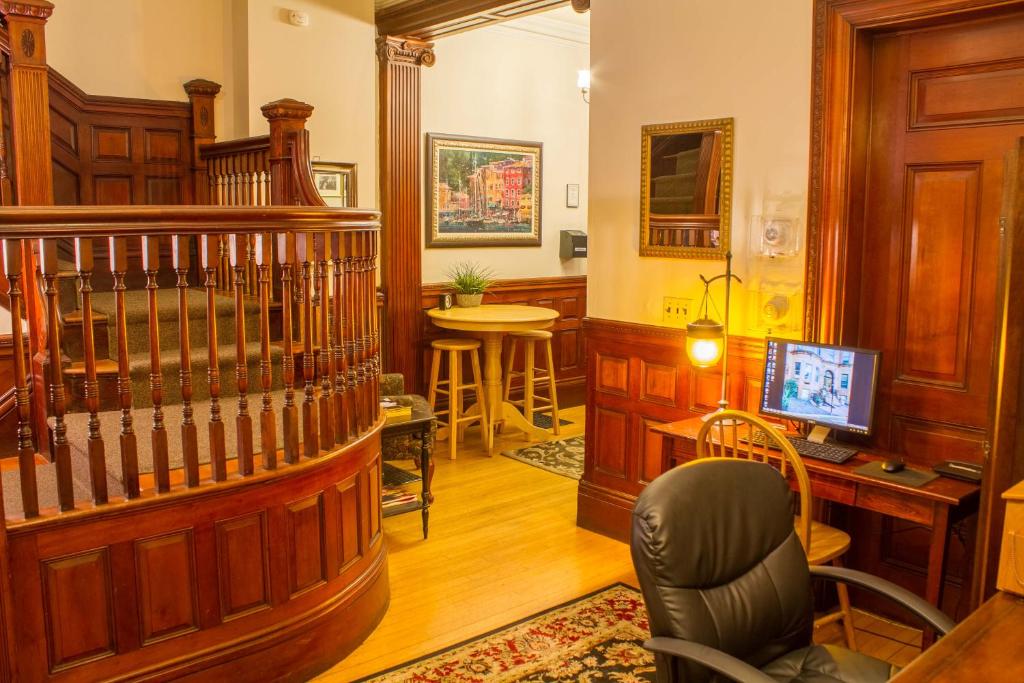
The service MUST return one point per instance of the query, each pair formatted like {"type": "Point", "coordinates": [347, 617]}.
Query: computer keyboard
{"type": "Point", "coordinates": [811, 449]}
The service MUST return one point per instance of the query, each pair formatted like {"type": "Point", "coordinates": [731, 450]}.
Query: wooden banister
{"type": "Point", "coordinates": [328, 254]}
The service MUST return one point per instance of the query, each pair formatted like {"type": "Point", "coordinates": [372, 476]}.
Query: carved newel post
{"type": "Point", "coordinates": [400, 201]}
{"type": "Point", "coordinates": [201, 94]}
{"type": "Point", "coordinates": [288, 142]}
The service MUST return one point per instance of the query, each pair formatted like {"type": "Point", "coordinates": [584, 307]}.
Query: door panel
{"type": "Point", "coordinates": [947, 104]}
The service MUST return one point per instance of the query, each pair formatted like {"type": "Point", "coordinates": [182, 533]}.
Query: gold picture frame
{"type": "Point", "coordinates": [686, 189]}
{"type": "Point", "coordinates": [336, 182]}
{"type": "Point", "coordinates": [483, 192]}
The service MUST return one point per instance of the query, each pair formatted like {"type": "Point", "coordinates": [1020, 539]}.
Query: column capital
{"type": "Point", "coordinates": [405, 50]}
{"type": "Point", "coordinates": [32, 9]}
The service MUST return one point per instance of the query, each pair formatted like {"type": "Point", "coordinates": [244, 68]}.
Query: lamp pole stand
{"type": "Point", "coordinates": [723, 402]}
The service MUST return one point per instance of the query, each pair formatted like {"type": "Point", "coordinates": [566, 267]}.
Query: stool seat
{"type": "Point", "coordinates": [455, 344]}
{"type": "Point", "coordinates": [541, 335]}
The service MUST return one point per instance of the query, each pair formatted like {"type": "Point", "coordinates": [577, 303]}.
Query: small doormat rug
{"type": "Point", "coordinates": [598, 637]}
{"type": "Point", "coordinates": [544, 421]}
{"type": "Point", "coordinates": [564, 457]}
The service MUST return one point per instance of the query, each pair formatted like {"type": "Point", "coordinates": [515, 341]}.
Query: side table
{"type": "Point", "coordinates": [421, 423]}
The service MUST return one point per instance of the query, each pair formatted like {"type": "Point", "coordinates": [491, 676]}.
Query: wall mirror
{"type": "Point", "coordinates": [686, 189]}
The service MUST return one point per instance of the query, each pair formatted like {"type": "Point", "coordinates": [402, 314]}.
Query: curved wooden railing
{"type": "Point", "coordinates": [265, 559]}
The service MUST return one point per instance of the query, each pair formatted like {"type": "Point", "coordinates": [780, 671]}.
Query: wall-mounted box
{"type": "Point", "coordinates": [573, 244]}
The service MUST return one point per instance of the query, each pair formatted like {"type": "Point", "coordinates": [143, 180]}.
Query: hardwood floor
{"type": "Point", "coordinates": [504, 545]}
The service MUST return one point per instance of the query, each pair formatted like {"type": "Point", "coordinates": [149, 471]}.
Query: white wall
{"type": "Point", "coordinates": [330, 64]}
{"type": "Point", "coordinates": [149, 48]}
{"type": "Point", "coordinates": [661, 61]}
{"type": "Point", "coordinates": [142, 48]}
{"type": "Point", "coordinates": [499, 82]}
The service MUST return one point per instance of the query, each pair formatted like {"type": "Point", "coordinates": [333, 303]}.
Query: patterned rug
{"type": "Point", "coordinates": [598, 637]}
{"type": "Point", "coordinates": [564, 457]}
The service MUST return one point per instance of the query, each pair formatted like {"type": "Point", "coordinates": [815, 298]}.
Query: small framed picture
{"type": "Point", "coordinates": [572, 196]}
{"type": "Point", "coordinates": [336, 182]}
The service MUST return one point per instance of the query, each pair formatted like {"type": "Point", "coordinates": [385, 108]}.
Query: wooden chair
{"type": "Point", "coordinates": [731, 434]}
{"type": "Point", "coordinates": [533, 376]}
{"type": "Point", "coordinates": [457, 419]}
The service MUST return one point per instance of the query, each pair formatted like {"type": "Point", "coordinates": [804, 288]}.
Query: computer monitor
{"type": "Point", "coordinates": [821, 384]}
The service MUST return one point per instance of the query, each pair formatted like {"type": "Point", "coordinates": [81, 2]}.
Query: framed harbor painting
{"type": "Point", "coordinates": [482, 192]}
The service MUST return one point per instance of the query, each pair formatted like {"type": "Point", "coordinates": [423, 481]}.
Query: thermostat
{"type": "Point", "coordinates": [296, 18]}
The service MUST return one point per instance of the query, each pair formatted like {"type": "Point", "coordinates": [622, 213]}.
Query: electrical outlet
{"type": "Point", "coordinates": [675, 311]}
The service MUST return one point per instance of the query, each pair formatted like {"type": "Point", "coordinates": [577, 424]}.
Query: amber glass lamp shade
{"type": "Point", "coordinates": [705, 342]}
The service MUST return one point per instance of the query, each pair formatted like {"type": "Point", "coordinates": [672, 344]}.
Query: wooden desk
{"type": "Point", "coordinates": [491, 322]}
{"type": "Point", "coordinates": [986, 646]}
{"type": "Point", "coordinates": [937, 505]}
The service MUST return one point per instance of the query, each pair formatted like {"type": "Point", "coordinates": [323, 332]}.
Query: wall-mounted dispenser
{"type": "Point", "coordinates": [573, 245]}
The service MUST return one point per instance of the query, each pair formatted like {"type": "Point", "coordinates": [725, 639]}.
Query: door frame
{"type": "Point", "coordinates": [840, 124]}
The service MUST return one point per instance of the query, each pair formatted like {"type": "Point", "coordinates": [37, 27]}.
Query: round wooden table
{"type": "Point", "coordinates": [491, 322]}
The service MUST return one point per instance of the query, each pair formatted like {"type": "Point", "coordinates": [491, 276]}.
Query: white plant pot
{"type": "Point", "coordinates": [468, 300]}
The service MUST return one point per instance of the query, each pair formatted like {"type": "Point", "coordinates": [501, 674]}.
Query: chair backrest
{"type": "Point", "coordinates": [720, 563]}
{"type": "Point", "coordinates": [732, 434]}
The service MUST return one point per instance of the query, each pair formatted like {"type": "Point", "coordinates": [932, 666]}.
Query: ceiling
{"type": "Point", "coordinates": [562, 23]}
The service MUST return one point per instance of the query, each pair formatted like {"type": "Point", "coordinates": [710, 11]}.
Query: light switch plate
{"type": "Point", "coordinates": [676, 311]}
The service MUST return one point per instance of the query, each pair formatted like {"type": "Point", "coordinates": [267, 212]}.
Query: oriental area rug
{"type": "Point", "coordinates": [598, 637]}
{"type": "Point", "coordinates": [564, 457]}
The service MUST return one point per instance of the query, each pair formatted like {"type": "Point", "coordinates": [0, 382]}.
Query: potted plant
{"type": "Point", "coordinates": [469, 281]}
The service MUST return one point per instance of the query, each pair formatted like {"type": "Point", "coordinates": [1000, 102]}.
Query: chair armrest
{"type": "Point", "coordinates": [930, 614]}
{"type": "Point", "coordinates": [716, 660]}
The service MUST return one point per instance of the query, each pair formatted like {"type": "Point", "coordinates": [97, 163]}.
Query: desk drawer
{"type": "Point", "coordinates": [834, 489]}
{"type": "Point", "coordinates": [896, 505]}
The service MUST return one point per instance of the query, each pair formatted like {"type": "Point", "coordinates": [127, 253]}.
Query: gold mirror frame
{"type": "Point", "coordinates": [725, 126]}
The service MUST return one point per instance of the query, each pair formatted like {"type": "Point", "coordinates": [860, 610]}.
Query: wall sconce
{"type": "Point", "coordinates": [583, 83]}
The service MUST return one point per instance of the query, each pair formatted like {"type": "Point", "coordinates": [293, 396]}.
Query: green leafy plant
{"type": "Point", "coordinates": [470, 278]}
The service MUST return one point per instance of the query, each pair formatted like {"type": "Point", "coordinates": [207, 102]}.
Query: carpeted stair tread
{"type": "Point", "coordinates": [136, 304]}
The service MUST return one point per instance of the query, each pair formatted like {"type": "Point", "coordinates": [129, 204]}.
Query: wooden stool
{"type": "Point", "coordinates": [531, 376]}
{"type": "Point", "coordinates": [457, 420]}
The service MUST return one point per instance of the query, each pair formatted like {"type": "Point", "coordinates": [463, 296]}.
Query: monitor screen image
{"type": "Point", "coordinates": [820, 384]}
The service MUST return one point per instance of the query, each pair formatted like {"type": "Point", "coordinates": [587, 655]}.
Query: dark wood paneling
{"type": "Point", "coordinates": [565, 294]}
{"type": "Point", "coordinates": [243, 565]}
{"type": "Point", "coordinates": [306, 567]}
{"type": "Point", "coordinates": [639, 377]}
{"type": "Point", "coordinates": [163, 602]}
{"type": "Point", "coordinates": [350, 539]}
{"type": "Point", "coordinates": [78, 608]}
{"type": "Point", "coordinates": [129, 139]}
{"type": "Point", "coordinates": [166, 583]}
{"type": "Point", "coordinates": [946, 96]}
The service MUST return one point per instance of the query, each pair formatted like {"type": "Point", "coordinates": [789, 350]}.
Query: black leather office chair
{"type": "Point", "coordinates": [727, 585]}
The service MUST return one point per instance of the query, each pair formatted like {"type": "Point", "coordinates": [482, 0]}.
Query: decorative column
{"type": "Point", "coordinates": [31, 168]}
{"type": "Point", "coordinates": [201, 94]}
{"type": "Point", "coordinates": [401, 202]}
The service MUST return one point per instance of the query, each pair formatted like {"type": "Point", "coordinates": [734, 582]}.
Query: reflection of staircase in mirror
{"type": "Point", "coordinates": [684, 203]}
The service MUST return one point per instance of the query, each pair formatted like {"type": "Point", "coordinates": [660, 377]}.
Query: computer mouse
{"type": "Point", "coordinates": [893, 466]}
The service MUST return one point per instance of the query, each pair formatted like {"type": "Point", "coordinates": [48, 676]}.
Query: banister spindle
{"type": "Point", "coordinates": [361, 346]}
{"type": "Point", "coordinates": [158, 436]}
{"type": "Point", "coordinates": [350, 335]}
{"type": "Point", "coordinates": [97, 463]}
{"type": "Point", "coordinates": [374, 326]}
{"type": "Point", "coordinates": [49, 266]}
{"type": "Point", "coordinates": [307, 257]}
{"type": "Point", "coordinates": [189, 432]}
{"type": "Point", "coordinates": [289, 414]}
{"type": "Point", "coordinates": [13, 264]}
{"type": "Point", "coordinates": [264, 254]}
{"type": "Point", "coordinates": [239, 248]}
{"type": "Point", "coordinates": [118, 253]}
{"type": "Point", "coordinates": [209, 251]}
{"type": "Point", "coordinates": [338, 342]}
{"type": "Point", "coordinates": [324, 262]}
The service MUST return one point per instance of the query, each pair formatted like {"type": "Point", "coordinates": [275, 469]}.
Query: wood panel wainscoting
{"type": "Point", "coordinates": [638, 377]}
{"type": "Point", "coordinates": [565, 294]}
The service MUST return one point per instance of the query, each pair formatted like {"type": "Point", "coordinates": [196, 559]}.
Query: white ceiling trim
{"type": "Point", "coordinates": [540, 25]}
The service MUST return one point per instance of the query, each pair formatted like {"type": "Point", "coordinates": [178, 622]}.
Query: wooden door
{"type": "Point", "coordinates": [947, 104]}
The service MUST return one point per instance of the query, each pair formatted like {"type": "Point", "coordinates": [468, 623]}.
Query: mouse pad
{"type": "Point", "coordinates": [907, 477]}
